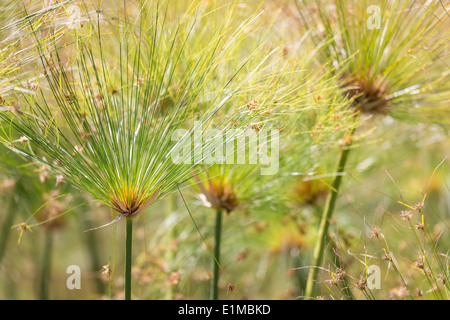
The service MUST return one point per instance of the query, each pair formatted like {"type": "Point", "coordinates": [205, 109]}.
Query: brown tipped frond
{"type": "Point", "coordinates": [130, 202]}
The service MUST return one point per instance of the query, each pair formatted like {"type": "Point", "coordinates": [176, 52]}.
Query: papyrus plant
{"type": "Point", "coordinates": [105, 115]}
{"type": "Point", "coordinates": [391, 58]}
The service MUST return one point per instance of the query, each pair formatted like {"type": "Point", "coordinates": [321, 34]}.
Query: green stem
{"type": "Point", "coordinates": [325, 222]}
{"type": "Point", "coordinates": [217, 235]}
{"type": "Point", "coordinates": [46, 265]}
{"type": "Point", "coordinates": [128, 251]}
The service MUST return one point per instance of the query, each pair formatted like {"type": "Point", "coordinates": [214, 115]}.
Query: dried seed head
{"type": "Point", "coordinates": [340, 274]}
{"type": "Point", "coordinates": [406, 215]}
{"type": "Point", "coordinates": [99, 98]}
{"type": "Point", "coordinates": [376, 232]}
{"type": "Point", "coordinates": [43, 174]}
{"type": "Point", "coordinates": [70, 97]}
{"type": "Point", "coordinates": [256, 126]}
{"type": "Point", "coordinates": [33, 86]}
{"type": "Point", "coordinates": [419, 226]}
{"type": "Point", "coordinates": [50, 214]}
{"type": "Point", "coordinates": [7, 184]}
{"type": "Point", "coordinates": [400, 293]}
{"type": "Point", "coordinates": [252, 105]}
{"type": "Point", "coordinates": [241, 256]}
{"type": "Point", "coordinates": [79, 149]}
{"type": "Point", "coordinates": [362, 284]}
{"type": "Point", "coordinates": [15, 108]}
{"type": "Point", "coordinates": [60, 179]}
{"type": "Point", "coordinates": [174, 278]}
{"type": "Point", "coordinates": [22, 227]}
{"type": "Point", "coordinates": [106, 270]}
{"type": "Point", "coordinates": [418, 206]}
{"type": "Point", "coordinates": [331, 282]}
{"type": "Point", "coordinates": [23, 140]}
{"type": "Point", "coordinates": [419, 263]}
{"type": "Point", "coordinates": [231, 287]}
{"type": "Point", "coordinates": [337, 276]}
{"type": "Point", "coordinates": [113, 90]}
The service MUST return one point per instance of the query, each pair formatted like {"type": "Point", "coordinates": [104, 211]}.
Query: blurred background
{"type": "Point", "coordinates": [266, 249]}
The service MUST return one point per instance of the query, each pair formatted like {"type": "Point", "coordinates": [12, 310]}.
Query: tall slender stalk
{"type": "Point", "coordinates": [325, 222]}
{"type": "Point", "coordinates": [46, 265]}
{"type": "Point", "coordinates": [128, 254]}
{"type": "Point", "coordinates": [217, 236]}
